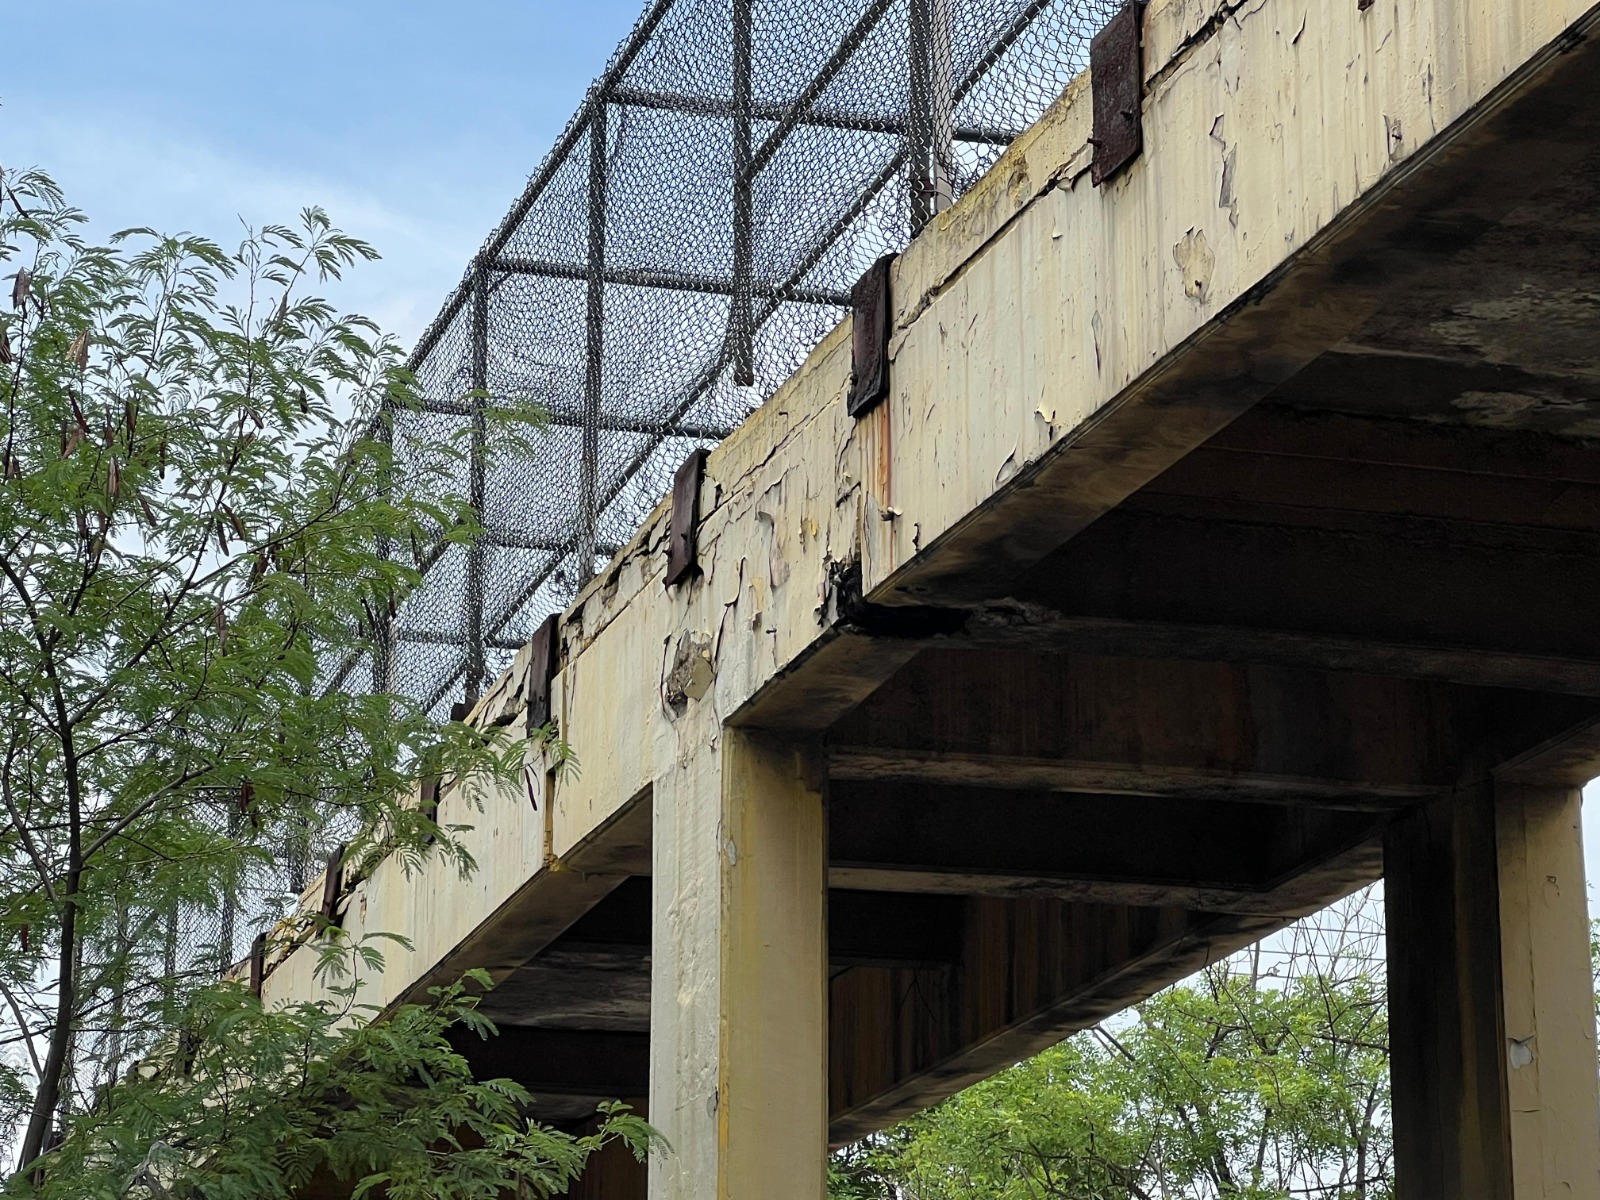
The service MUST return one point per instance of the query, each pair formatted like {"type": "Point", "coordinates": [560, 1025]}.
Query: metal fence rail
{"type": "Point", "coordinates": [692, 235]}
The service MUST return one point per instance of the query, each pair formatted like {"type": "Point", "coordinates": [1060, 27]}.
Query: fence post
{"type": "Point", "coordinates": [383, 633]}
{"type": "Point", "coordinates": [929, 123]}
{"type": "Point", "coordinates": [594, 346]}
{"type": "Point", "coordinates": [477, 452]}
{"type": "Point", "coordinates": [741, 324]}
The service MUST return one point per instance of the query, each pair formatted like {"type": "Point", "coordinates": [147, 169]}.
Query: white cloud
{"type": "Point", "coordinates": [122, 174]}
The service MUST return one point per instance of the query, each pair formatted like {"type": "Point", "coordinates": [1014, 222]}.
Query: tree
{"type": "Point", "coordinates": [1240, 1083]}
{"type": "Point", "coordinates": [190, 532]}
{"type": "Point", "coordinates": [249, 1104]}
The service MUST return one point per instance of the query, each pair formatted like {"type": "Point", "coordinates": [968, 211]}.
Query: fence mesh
{"type": "Point", "coordinates": [692, 235]}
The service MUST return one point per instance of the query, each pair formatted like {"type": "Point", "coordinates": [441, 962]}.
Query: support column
{"type": "Point", "coordinates": [738, 1045]}
{"type": "Point", "coordinates": [1491, 1008]}
{"type": "Point", "coordinates": [1549, 993]}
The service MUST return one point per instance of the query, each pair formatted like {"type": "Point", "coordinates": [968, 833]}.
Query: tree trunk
{"type": "Point", "coordinates": [49, 1093]}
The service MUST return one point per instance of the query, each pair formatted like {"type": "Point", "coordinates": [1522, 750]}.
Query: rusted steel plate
{"type": "Point", "coordinates": [869, 347]}
{"type": "Point", "coordinates": [541, 670]}
{"type": "Point", "coordinates": [1116, 74]}
{"type": "Point", "coordinates": [258, 963]}
{"type": "Point", "coordinates": [681, 556]}
{"type": "Point", "coordinates": [331, 880]}
{"type": "Point", "coordinates": [429, 797]}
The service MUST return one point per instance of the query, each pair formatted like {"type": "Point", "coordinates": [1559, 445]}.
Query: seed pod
{"type": "Point", "coordinates": [221, 620]}
{"type": "Point", "coordinates": [113, 478]}
{"type": "Point", "coordinates": [80, 350]}
{"type": "Point", "coordinates": [130, 416]}
{"type": "Point", "coordinates": [6, 357]}
{"type": "Point", "coordinates": [19, 289]}
{"type": "Point", "coordinates": [144, 507]}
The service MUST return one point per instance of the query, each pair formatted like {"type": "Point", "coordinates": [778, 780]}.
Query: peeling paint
{"type": "Point", "coordinates": [1195, 259]}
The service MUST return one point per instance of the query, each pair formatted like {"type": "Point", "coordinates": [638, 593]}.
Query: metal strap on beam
{"type": "Point", "coordinates": [1116, 76]}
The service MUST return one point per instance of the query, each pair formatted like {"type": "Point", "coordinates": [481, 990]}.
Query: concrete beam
{"type": "Point", "coordinates": [1195, 783]}
{"type": "Point", "coordinates": [1219, 857]}
{"type": "Point", "coordinates": [1226, 730]}
{"type": "Point", "coordinates": [1462, 455]}
{"type": "Point", "coordinates": [561, 1062]}
{"type": "Point", "coordinates": [1032, 972]}
{"type": "Point", "coordinates": [1439, 593]}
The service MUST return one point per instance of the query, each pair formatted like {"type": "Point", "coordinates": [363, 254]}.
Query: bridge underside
{"type": "Point", "coordinates": [1201, 717]}
{"type": "Point", "coordinates": [1306, 604]}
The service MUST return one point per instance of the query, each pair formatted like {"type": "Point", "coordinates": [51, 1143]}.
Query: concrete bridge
{"type": "Point", "coordinates": [1228, 537]}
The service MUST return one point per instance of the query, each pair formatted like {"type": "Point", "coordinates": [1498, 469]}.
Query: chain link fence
{"type": "Point", "coordinates": [691, 237]}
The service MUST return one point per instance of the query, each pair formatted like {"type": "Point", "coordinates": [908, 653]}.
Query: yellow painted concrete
{"type": "Point", "coordinates": [1549, 994]}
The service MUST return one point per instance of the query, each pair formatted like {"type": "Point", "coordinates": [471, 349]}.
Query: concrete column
{"type": "Point", "coordinates": [738, 1076]}
{"type": "Point", "coordinates": [1549, 997]}
{"type": "Point", "coordinates": [1491, 1008]}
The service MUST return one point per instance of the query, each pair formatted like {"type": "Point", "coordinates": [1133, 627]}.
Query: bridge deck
{"type": "Point", "coordinates": [1221, 525]}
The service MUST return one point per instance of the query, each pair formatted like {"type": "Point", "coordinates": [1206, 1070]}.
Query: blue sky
{"type": "Point", "coordinates": [413, 123]}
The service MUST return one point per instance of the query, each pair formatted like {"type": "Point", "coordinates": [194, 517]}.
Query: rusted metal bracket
{"type": "Point", "coordinates": [1116, 75]}
{"type": "Point", "coordinates": [428, 797]}
{"type": "Point", "coordinates": [849, 609]}
{"type": "Point", "coordinates": [331, 881]}
{"type": "Point", "coordinates": [541, 671]}
{"type": "Point", "coordinates": [869, 345]}
{"type": "Point", "coordinates": [258, 963]}
{"type": "Point", "coordinates": [682, 559]}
